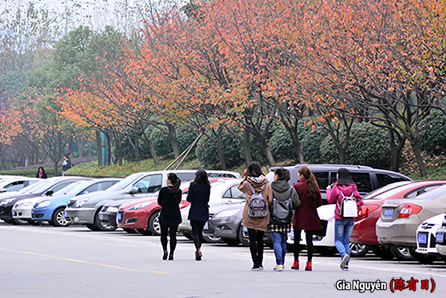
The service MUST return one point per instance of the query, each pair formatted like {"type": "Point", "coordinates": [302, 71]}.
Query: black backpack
{"type": "Point", "coordinates": [257, 206]}
{"type": "Point", "coordinates": [282, 211]}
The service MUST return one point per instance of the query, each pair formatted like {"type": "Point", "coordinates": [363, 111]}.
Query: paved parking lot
{"type": "Point", "coordinates": [43, 261]}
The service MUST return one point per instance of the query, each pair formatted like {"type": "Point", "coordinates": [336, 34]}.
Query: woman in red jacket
{"type": "Point", "coordinates": [344, 187]}
{"type": "Point", "coordinates": [306, 217]}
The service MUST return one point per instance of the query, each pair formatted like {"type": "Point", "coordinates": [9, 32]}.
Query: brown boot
{"type": "Point", "coordinates": [295, 265]}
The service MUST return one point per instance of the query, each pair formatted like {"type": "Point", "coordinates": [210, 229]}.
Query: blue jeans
{"type": "Point", "coordinates": [279, 242]}
{"type": "Point", "coordinates": [343, 230]}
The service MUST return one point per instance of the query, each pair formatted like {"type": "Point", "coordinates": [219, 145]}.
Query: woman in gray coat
{"type": "Point", "coordinates": [282, 191]}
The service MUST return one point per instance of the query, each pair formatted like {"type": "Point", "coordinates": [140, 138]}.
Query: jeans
{"type": "Point", "coordinates": [279, 242]}
{"type": "Point", "coordinates": [343, 230]}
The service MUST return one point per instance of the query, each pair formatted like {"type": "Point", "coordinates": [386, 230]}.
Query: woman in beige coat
{"type": "Point", "coordinates": [256, 226]}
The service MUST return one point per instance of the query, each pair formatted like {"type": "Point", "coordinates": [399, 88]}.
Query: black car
{"type": "Point", "coordinates": [108, 213]}
{"type": "Point", "coordinates": [366, 178]}
{"type": "Point", "coordinates": [44, 188]}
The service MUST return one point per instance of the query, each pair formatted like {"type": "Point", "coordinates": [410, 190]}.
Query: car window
{"type": "Point", "coordinates": [362, 181]}
{"type": "Point", "coordinates": [186, 176]}
{"type": "Point", "coordinates": [149, 184]}
{"type": "Point", "coordinates": [384, 179]}
{"type": "Point", "coordinates": [62, 185]}
{"type": "Point", "coordinates": [234, 193]}
{"type": "Point", "coordinates": [15, 186]}
{"type": "Point", "coordinates": [416, 192]}
{"type": "Point", "coordinates": [322, 179]}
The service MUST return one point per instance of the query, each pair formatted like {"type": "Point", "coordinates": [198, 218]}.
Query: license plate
{"type": "Point", "coordinates": [440, 237]}
{"type": "Point", "coordinates": [206, 226]}
{"type": "Point", "coordinates": [119, 216]}
{"type": "Point", "coordinates": [65, 214]}
{"type": "Point", "coordinates": [388, 212]}
{"type": "Point", "coordinates": [422, 238]}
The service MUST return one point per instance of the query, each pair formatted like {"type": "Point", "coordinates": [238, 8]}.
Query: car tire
{"type": "Point", "coordinates": [92, 227]}
{"type": "Point", "coordinates": [422, 258]}
{"type": "Point", "coordinates": [326, 251]}
{"type": "Point", "coordinates": [101, 226]}
{"type": "Point", "coordinates": [16, 221]}
{"type": "Point", "coordinates": [382, 251]}
{"type": "Point", "coordinates": [243, 240]}
{"type": "Point", "coordinates": [401, 253]}
{"type": "Point", "coordinates": [154, 223]}
{"type": "Point", "coordinates": [130, 230]}
{"type": "Point", "coordinates": [211, 239]}
{"type": "Point", "coordinates": [230, 242]}
{"type": "Point", "coordinates": [34, 223]}
{"type": "Point", "coordinates": [58, 218]}
{"type": "Point", "coordinates": [358, 250]}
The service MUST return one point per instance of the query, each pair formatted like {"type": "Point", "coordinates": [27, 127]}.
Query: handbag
{"type": "Point", "coordinates": [348, 206]}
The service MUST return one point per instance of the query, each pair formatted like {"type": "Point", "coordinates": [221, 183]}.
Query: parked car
{"type": "Point", "coordinates": [400, 219]}
{"type": "Point", "coordinates": [223, 192]}
{"type": "Point", "coordinates": [85, 209]}
{"type": "Point", "coordinates": [441, 240]}
{"type": "Point", "coordinates": [52, 209]}
{"type": "Point", "coordinates": [426, 237]}
{"type": "Point", "coordinates": [364, 231]}
{"type": "Point", "coordinates": [40, 189]}
{"type": "Point", "coordinates": [366, 178]}
{"type": "Point", "coordinates": [16, 183]}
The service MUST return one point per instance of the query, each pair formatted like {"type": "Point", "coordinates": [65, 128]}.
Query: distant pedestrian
{"type": "Point", "coordinates": [199, 192]}
{"type": "Point", "coordinates": [169, 199]}
{"type": "Point", "coordinates": [282, 191]}
{"type": "Point", "coordinates": [41, 173]}
{"type": "Point", "coordinates": [66, 165]}
{"type": "Point", "coordinates": [305, 216]}
{"type": "Point", "coordinates": [344, 187]}
{"type": "Point", "coordinates": [255, 179]}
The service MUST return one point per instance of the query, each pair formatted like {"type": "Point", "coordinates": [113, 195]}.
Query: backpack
{"type": "Point", "coordinates": [348, 206]}
{"type": "Point", "coordinates": [282, 211]}
{"type": "Point", "coordinates": [257, 206]}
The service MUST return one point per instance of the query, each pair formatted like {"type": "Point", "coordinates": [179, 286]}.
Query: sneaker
{"type": "Point", "coordinates": [278, 268]}
{"type": "Point", "coordinates": [344, 261]}
{"type": "Point", "coordinates": [254, 268]}
{"type": "Point", "coordinates": [345, 268]}
{"type": "Point", "coordinates": [261, 268]}
{"type": "Point", "coordinates": [198, 255]}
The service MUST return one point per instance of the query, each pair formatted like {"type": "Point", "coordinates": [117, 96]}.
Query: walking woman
{"type": "Point", "coordinates": [306, 217]}
{"type": "Point", "coordinates": [344, 187]}
{"type": "Point", "coordinates": [199, 192]}
{"type": "Point", "coordinates": [169, 199]}
{"type": "Point", "coordinates": [282, 191]}
{"type": "Point", "coordinates": [255, 179]}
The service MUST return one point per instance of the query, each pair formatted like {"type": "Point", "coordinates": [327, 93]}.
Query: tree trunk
{"type": "Point", "coordinates": [267, 151]}
{"type": "Point", "coordinates": [418, 157]}
{"type": "Point", "coordinates": [395, 149]}
{"type": "Point", "coordinates": [220, 151]}
{"type": "Point", "coordinates": [69, 143]}
{"type": "Point", "coordinates": [136, 147]}
{"type": "Point", "coordinates": [99, 147]}
{"type": "Point", "coordinates": [173, 138]}
{"type": "Point", "coordinates": [80, 148]}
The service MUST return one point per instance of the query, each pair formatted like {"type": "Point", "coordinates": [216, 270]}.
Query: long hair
{"type": "Point", "coordinates": [313, 187]}
{"type": "Point", "coordinates": [254, 170]}
{"type": "Point", "coordinates": [175, 183]}
{"type": "Point", "coordinates": [344, 177]}
{"type": "Point", "coordinates": [200, 177]}
{"type": "Point", "coordinates": [282, 174]}
{"type": "Point", "coordinates": [43, 170]}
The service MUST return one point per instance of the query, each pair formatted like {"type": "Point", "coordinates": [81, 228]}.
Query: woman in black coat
{"type": "Point", "coordinates": [41, 173]}
{"type": "Point", "coordinates": [169, 199]}
{"type": "Point", "coordinates": [199, 192]}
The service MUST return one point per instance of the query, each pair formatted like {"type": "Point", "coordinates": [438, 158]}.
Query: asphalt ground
{"type": "Point", "coordinates": [44, 261]}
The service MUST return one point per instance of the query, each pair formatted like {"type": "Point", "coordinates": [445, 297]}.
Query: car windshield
{"type": "Point", "coordinates": [433, 194]}
{"type": "Point", "coordinates": [388, 190]}
{"type": "Point", "coordinates": [70, 189]}
{"type": "Point", "coordinates": [30, 187]}
{"type": "Point", "coordinates": [40, 187]}
{"type": "Point", "coordinates": [124, 183]}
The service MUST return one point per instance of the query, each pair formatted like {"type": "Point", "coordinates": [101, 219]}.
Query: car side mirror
{"type": "Point", "coordinates": [3, 190]}
{"type": "Point", "coordinates": [49, 193]}
{"type": "Point", "coordinates": [133, 190]}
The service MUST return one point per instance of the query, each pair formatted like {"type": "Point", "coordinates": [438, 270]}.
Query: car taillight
{"type": "Point", "coordinates": [365, 209]}
{"type": "Point", "coordinates": [184, 204]}
{"type": "Point", "coordinates": [408, 209]}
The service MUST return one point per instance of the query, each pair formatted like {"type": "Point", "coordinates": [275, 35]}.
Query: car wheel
{"type": "Point", "coordinates": [58, 219]}
{"type": "Point", "coordinates": [358, 250]}
{"type": "Point", "coordinates": [326, 251]}
{"type": "Point", "coordinates": [230, 242]}
{"type": "Point", "coordinates": [16, 221]}
{"type": "Point", "coordinates": [401, 253]}
{"type": "Point", "coordinates": [382, 251]}
{"type": "Point", "coordinates": [244, 239]}
{"type": "Point", "coordinates": [154, 224]}
{"type": "Point", "coordinates": [130, 230]}
{"type": "Point", "coordinates": [101, 226]}
{"type": "Point", "coordinates": [422, 258]}
{"type": "Point", "coordinates": [92, 227]}
{"type": "Point", "coordinates": [211, 239]}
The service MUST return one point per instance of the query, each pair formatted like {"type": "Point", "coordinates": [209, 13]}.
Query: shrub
{"type": "Point", "coordinates": [432, 133]}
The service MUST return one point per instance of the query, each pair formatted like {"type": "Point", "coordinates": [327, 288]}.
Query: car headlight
{"type": "Point", "coordinates": [81, 203]}
{"type": "Point", "coordinates": [226, 213]}
{"type": "Point", "coordinates": [140, 206]}
{"type": "Point", "coordinates": [43, 204]}
{"type": "Point", "coordinates": [112, 209]}
{"type": "Point", "coordinates": [23, 205]}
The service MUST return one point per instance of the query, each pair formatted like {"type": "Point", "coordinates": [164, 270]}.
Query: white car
{"type": "Point", "coordinates": [223, 191]}
{"type": "Point", "coordinates": [426, 234]}
{"type": "Point", "coordinates": [16, 184]}
{"type": "Point", "coordinates": [440, 238]}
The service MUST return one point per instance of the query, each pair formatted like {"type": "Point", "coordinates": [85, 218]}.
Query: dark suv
{"type": "Point", "coordinates": [366, 178]}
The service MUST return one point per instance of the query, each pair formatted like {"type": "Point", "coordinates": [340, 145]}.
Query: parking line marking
{"type": "Point", "coordinates": [82, 261]}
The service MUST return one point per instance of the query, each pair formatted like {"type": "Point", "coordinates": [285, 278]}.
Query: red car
{"type": "Point", "coordinates": [364, 231]}
{"type": "Point", "coordinates": [142, 214]}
